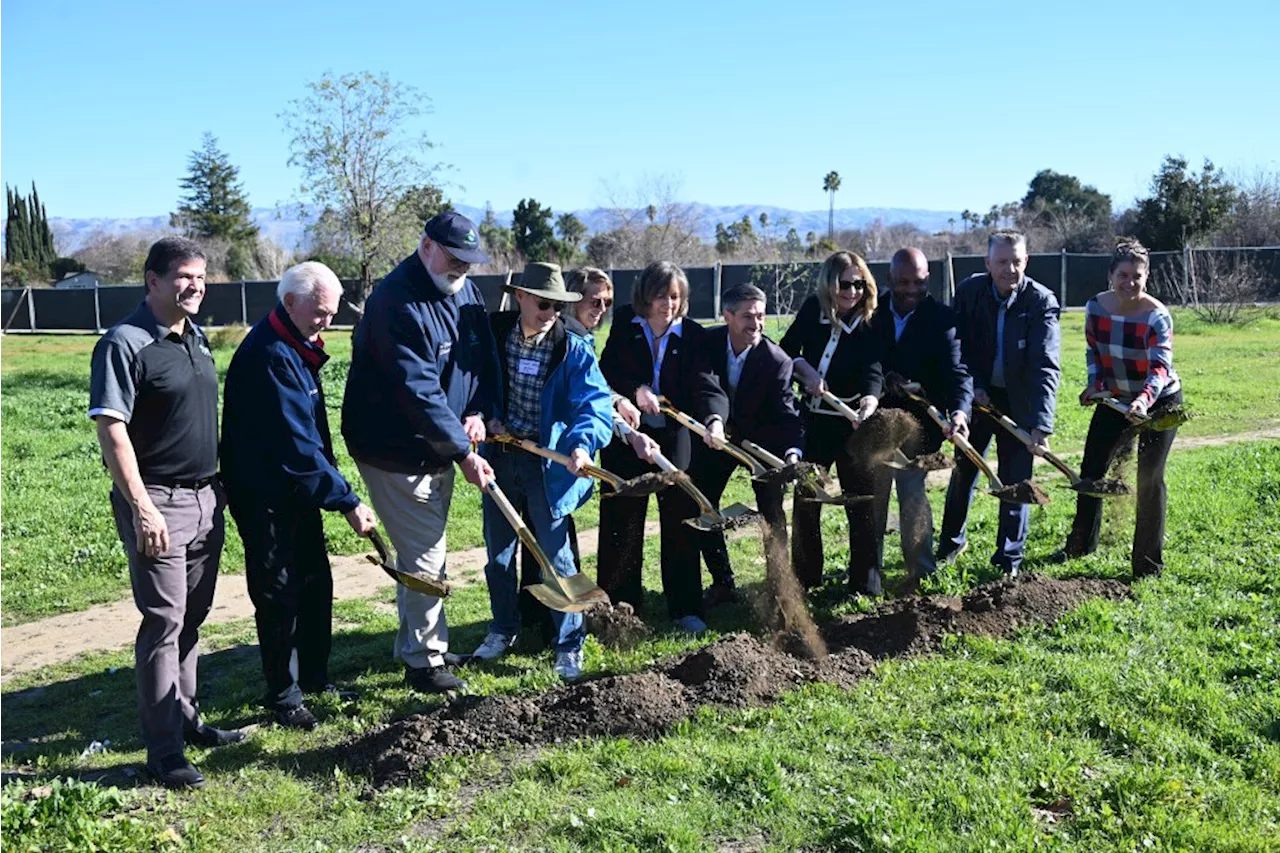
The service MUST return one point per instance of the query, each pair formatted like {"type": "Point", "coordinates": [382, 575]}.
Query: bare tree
{"type": "Point", "coordinates": [119, 258]}
{"type": "Point", "coordinates": [1219, 287]}
{"type": "Point", "coordinates": [354, 139]}
{"type": "Point", "coordinates": [650, 223]}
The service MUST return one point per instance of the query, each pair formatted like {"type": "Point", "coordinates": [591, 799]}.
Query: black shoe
{"type": "Point", "coordinates": [718, 594]}
{"type": "Point", "coordinates": [949, 557]}
{"type": "Point", "coordinates": [866, 583]}
{"type": "Point", "coordinates": [296, 718]}
{"type": "Point", "coordinates": [209, 737]}
{"type": "Point", "coordinates": [174, 771]}
{"type": "Point", "coordinates": [334, 691]}
{"type": "Point", "coordinates": [432, 679]}
{"type": "Point", "coordinates": [1059, 557]}
{"type": "Point", "coordinates": [450, 659]}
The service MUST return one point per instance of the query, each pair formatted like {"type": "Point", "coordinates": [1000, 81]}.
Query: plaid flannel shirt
{"type": "Point", "coordinates": [1130, 357]}
{"type": "Point", "coordinates": [524, 403]}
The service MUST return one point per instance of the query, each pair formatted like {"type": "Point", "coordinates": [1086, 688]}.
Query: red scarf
{"type": "Point", "coordinates": [312, 352]}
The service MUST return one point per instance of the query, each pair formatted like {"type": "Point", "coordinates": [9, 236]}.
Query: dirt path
{"type": "Point", "coordinates": [105, 627]}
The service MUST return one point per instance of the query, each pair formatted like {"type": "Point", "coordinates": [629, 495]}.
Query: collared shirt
{"type": "Point", "coordinates": [997, 365]}
{"type": "Point", "coordinates": [660, 352]}
{"type": "Point", "coordinates": [734, 365]}
{"type": "Point", "coordinates": [163, 385]}
{"type": "Point", "coordinates": [899, 323]}
{"type": "Point", "coordinates": [528, 363]}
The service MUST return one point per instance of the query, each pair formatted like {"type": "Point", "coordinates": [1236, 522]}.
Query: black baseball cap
{"type": "Point", "coordinates": [458, 234]}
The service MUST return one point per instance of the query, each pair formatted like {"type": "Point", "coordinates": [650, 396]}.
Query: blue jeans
{"type": "Point", "coordinates": [1014, 463]}
{"type": "Point", "coordinates": [519, 475]}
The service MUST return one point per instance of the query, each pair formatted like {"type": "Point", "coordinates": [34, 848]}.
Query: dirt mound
{"type": "Point", "coordinates": [641, 705]}
{"type": "Point", "coordinates": [737, 671]}
{"type": "Point", "coordinates": [617, 627]}
{"type": "Point", "coordinates": [914, 625]}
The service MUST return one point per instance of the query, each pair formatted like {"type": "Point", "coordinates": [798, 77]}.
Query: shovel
{"type": "Point", "coordinates": [1010, 494]}
{"type": "Point", "coordinates": [708, 519]}
{"type": "Point", "coordinates": [813, 481]}
{"type": "Point", "coordinates": [1092, 488]}
{"type": "Point", "coordinates": [573, 594]}
{"type": "Point", "coordinates": [636, 487]}
{"type": "Point", "coordinates": [410, 580]}
{"type": "Point", "coordinates": [753, 465]}
{"type": "Point", "coordinates": [1171, 419]}
{"type": "Point", "coordinates": [842, 407]}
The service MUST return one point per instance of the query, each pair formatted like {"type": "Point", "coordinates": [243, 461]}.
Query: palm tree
{"type": "Point", "coordinates": [830, 184]}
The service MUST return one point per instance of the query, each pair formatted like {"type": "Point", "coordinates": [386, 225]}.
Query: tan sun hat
{"type": "Point", "coordinates": [545, 281]}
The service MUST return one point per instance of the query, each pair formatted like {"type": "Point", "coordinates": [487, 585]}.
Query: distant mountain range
{"type": "Point", "coordinates": [287, 224]}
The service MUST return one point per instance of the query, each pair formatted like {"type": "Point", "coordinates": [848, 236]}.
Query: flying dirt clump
{"type": "Point", "coordinates": [617, 627]}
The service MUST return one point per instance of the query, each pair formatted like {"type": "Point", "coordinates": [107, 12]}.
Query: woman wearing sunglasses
{"type": "Point", "coordinates": [585, 317]}
{"type": "Point", "coordinates": [654, 349]}
{"type": "Point", "coordinates": [834, 350]}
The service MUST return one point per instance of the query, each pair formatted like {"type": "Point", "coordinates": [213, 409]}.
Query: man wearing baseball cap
{"type": "Point", "coordinates": [424, 380]}
{"type": "Point", "coordinates": [554, 395]}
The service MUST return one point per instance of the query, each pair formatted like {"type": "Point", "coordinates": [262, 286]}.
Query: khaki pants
{"type": "Point", "coordinates": [414, 508]}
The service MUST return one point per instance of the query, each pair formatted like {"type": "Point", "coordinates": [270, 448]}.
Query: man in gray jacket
{"type": "Point", "coordinates": [1009, 338]}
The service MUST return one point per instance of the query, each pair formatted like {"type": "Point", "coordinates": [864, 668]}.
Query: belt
{"type": "Point", "coordinates": [183, 484]}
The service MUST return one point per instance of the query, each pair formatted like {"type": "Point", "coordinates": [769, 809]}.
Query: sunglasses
{"type": "Point", "coordinates": [856, 284]}
{"type": "Point", "coordinates": [604, 303]}
{"type": "Point", "coordinates": [545, 304]}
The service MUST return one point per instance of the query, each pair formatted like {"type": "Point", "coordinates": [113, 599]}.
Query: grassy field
{"type": "Point", "coordinates": [1145, 724]}
{"type": "Point", "coordinates": [60, 552]}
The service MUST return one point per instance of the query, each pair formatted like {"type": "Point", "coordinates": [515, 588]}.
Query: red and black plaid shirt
{"type": "Point", "coordinates": [1130, 357]}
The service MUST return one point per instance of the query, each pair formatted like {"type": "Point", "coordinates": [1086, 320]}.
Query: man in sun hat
{"type": "Point", "coordinates": [556, 396]}
{"type": "Point", "coordinates": [424, 380]}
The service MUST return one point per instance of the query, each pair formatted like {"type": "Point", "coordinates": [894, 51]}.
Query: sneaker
{"type": "Point", "coordinates": [718, 594]}
{"type": "Point", "coordinates": [494, 646]}
{"type": "Point", "coordinates": [948, 558]}
{"type": "Point", "coordinates": [295, 718]}
{"type": "Point", "coordinates": [209, 737]}
{"type": "Point", "coordinates": [569, 665]}
{"type": "Point", "coordinates": [432, 679]}
{"type": "Point", "coordinates": [691, 624]}
{"type": "Point", "coordinates": [174, 771]}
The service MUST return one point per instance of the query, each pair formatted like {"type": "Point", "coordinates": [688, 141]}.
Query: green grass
{"type": "Point", "coordinates": [1150, 724]}
{"type": "Point", "coordinates": [59, 548]}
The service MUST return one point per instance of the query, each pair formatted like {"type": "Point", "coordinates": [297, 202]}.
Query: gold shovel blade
{"type": "Point", "coordinates": [554, 600]}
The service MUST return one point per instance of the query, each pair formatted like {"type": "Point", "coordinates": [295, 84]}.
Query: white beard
{"type": "Point", "coordinates": [442, 283]}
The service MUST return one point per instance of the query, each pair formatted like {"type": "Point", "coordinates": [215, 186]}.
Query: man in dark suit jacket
{"type": "Point", "coordinates": [918, 341]}
{"type": "Point", "coordinates": [756, 376]}
{"type": "Point", "coordinates": [1010, 338]}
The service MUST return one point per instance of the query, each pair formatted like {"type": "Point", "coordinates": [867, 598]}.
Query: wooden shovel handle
{"type": "Point", "coordinates": [517, 524]}
{"type": "Point", "coordinates": [763, 455]}
{"type": "Point", "coordinates": [682, 482]}
{"type": "Point", "coordinates": [842, 407]}
{"type": "Point", "coordinates": [1025, 437]}
{"type": "Point", "coordinates": [699, 430]}
{"type": "Point", "coordinates": [557, 457]}
{"type": "Point", "coordinates": [959, 441]}
{"type": "Point", "coordinates": [1116, 406]}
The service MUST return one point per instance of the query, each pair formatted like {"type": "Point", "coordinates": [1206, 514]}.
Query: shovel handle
{"type": "Point", "coordinates": [763, 455]}
{"type": "Point", "coordinates": [1116, 406]}
{"type": "Point", "coordinates": [559, 458]}
{"type": "Point", "coordinates": [379, 545]}
{"type": "Point", "coordinates": [1025, 437]}
{"type": "Point", "coordinates": [517, 524]}
{"type": "Point", "coordinates": [911, 389]}
{"type": "Point", "coordinates": [684, 420]}
{"type": "Point", "coordinates": [842, 407]}
{"type": "Point", "coordinates": [683, 482]}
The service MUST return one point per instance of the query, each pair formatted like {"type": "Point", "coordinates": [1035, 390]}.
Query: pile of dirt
{"type": "Point", "coordinates": [738, 671]}
{"type": "Point", "coordinates": [617, 627]}
{"type": "Point", "coordinates": [1026, 492]}
{"type": "Point", "coordinates": [913, 625]}
{"type": "Point", "coordinates": [645, 484]}
{"type": "Point", "coordinates": [940, 461]}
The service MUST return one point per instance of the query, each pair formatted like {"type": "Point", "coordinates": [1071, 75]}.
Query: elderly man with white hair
{"type": "Point", "coordinates": [279, 471]}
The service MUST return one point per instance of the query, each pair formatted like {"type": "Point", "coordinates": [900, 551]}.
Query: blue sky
{"type": "Point", "coordinates": [926, 105]}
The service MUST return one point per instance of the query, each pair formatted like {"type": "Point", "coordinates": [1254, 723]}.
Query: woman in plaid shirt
{"type": "Point", "coordinates": [1129, 337]}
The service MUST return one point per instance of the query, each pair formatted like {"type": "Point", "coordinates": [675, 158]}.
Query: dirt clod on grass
{"type": "Point", "coordinates": [737, 671]}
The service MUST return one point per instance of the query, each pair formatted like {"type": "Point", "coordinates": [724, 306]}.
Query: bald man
{"type": "Point", "coordinates": [918, 341]}
{"type": "Point", "coordinates": [279, 471]}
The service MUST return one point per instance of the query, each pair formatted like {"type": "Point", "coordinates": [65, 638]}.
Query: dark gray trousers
{"type": "Point", "coordinates": [174, 593]}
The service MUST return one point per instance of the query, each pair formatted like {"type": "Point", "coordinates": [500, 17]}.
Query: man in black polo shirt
{"type": "Point", "coordinates": [154, 395]}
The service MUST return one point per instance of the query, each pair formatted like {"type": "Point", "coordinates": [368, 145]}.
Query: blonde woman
{"type": "Point", "coordinates": [833, 349]}
{"type": "Point", "coordinates": [585, 317]}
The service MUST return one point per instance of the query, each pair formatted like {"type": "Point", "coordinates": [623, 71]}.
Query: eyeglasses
{"type": "Point", "coordinates": [544, 304]}
{"type": "Point", "coordinates": [856, 284]}
{"type": "Point", "coordinates": [604, 303]}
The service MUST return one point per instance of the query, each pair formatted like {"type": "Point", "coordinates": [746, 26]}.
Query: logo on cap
{"type": "Point", "coordinates": [470, 239]}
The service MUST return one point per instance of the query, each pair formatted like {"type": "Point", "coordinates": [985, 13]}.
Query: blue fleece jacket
{"type": "Point", "coordinates": [577, 410]}
{"type": "Point", "coordinates": [276, 444]}
{"type": "Point", "coordinates": [421, 360]}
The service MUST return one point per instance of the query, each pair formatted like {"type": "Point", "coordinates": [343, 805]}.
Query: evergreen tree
{"type": "Point", "coordinates": [531, 227]}
{"type": "Point", "coordinates": [28, 240]}
{"type": "Point", "coordinates": [214, 204]}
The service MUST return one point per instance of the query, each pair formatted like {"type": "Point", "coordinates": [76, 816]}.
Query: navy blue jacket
{"type": "Point", "coordinates": [929, 353]}
{"type": "Point", "coordinates": [275, 430]}
{"type": "Point", "coordinates": [1032, 340]}
{"type": "Point", "coordinates": [763, 410]}
{"type": "Point", "coordinates": [421, 360]}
